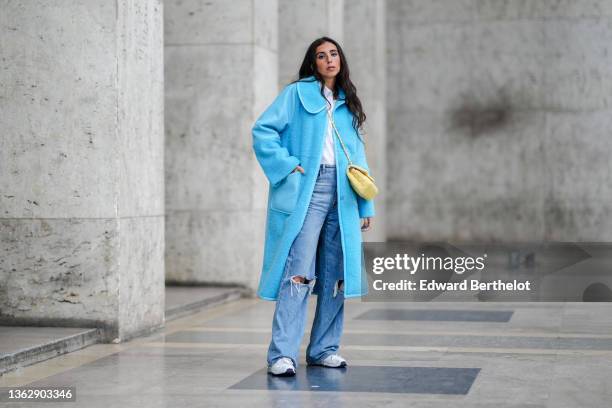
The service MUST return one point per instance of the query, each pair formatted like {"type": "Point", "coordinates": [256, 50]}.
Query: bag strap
{"type": "Point", "coordinates": [339, 138]}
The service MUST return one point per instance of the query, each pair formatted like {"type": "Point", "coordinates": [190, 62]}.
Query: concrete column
{"type": "Point", "coordinates": [498, 120]}
{"type": "Point", "coordinates": [365, 46]}
{"type": "Point", "coordinates": [81, 165]}
{"type": "Point", "coordinates": [221, 71]}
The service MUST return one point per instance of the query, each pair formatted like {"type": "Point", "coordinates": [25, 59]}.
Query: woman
{"type": "Point", "coordinates": [314, 218]}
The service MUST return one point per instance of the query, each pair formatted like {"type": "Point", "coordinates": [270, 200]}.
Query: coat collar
{"type": "Point", "coordinates": [309, 91]}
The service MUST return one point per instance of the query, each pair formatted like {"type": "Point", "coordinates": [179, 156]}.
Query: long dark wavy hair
{"type": "Point", "coordinates": [343, 80]}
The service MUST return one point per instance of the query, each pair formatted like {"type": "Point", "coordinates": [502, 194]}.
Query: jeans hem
{"type": "Point", "coordinates": [311, 362]}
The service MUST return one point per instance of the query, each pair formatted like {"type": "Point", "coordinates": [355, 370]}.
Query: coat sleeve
{"type": "Point", "coordinates": [366, 207]}
{"type": "Point", "coordinates": [274, 158]}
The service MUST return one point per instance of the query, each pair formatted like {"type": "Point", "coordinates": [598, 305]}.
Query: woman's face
{"type": "Point", "coordinates": [328, 60]}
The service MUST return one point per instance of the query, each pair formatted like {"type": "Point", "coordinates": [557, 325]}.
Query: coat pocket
{"type": "Point", "coordinates": [284, 195]}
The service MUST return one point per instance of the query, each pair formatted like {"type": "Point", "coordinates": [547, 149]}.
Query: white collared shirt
{"type": "Point", "coordinates": [328, 156]}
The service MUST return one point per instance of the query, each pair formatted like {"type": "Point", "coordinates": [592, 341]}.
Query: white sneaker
{"type": "Point", "coordinates": [333, 360]}
{"type": "Point", "coordinates": [282, 367]}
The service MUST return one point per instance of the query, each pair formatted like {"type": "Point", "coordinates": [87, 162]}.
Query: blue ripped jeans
{"type": "Point", "coordinates": [317, 242]}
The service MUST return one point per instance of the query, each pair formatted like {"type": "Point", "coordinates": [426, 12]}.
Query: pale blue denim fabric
{"type": "Point", "coordinates": [318, 241]}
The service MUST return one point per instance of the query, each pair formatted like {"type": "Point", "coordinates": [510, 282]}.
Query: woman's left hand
{"type": "Point", "coordinates": [366, 223]}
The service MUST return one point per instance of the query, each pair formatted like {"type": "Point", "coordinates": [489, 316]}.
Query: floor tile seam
{"type": "Point", "coordinates": [183, 324]}
{"type": "Point", "coordinates": [444, 349]}
{"type": "Point", "coordinates": [586, 336]}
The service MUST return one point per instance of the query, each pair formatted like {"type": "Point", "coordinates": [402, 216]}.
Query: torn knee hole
{"type": "Point", "coordinates": [300, 279]}
{"type": "Point", "coordinates": [338, 287]}
{"type": "Point", "coordinates": [339, 284]}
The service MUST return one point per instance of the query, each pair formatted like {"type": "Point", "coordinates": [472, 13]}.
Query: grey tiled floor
{"type": "Point", "coordinates": [546, 355]}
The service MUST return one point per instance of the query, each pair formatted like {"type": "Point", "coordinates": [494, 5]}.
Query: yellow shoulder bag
{"type": "Point", "coordinates": [360, 180]}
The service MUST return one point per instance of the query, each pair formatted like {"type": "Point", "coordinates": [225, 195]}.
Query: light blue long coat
{"type": "Point", "coordinates": [289, 132]}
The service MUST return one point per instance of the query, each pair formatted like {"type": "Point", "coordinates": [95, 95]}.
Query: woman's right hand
{"type": "Point", "coordinates": [298, 168]}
